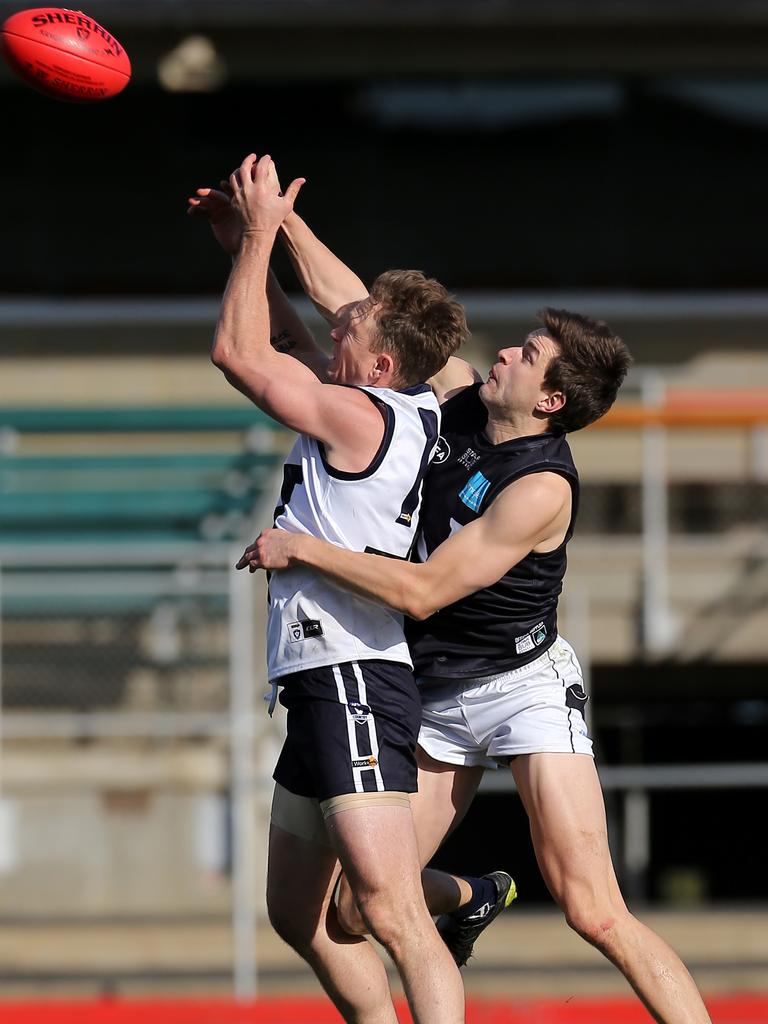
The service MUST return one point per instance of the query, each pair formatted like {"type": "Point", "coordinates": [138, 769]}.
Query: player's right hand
{"type": "Point", "coordinates": [253, 195]}
{"type": "Point", "coordinates": [272, 549]}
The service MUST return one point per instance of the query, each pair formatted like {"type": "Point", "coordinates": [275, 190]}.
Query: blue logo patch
{"type": "Point", "coordinates": [474, 491]}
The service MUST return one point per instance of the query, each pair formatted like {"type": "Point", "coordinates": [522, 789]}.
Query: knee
{"type": "Point", "coordinates": [596, 921]}
{"type": "Point", "coordinates": [388, 919]}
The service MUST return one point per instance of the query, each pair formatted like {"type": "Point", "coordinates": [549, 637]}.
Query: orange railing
{"type": "Point", "coordinates": [702, 409]}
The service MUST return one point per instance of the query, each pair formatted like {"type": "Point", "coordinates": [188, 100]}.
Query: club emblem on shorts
{"type": "Point", "coordinates": [365, 762]}
{"type": "Point", "coordinates": [304, 630]}
{"type": "Point", "coordinates": [442, 451]}
{"type": "Point", "coordinates": [359, 712]}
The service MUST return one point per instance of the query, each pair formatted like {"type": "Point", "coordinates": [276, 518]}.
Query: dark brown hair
{"type": "Point", "coordinates": [418, 322]}
{"type": "Point", "coordinates": [589, 369]}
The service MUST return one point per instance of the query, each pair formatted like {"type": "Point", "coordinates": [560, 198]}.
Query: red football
{"type": "Point", "coordinates": [65, 54]}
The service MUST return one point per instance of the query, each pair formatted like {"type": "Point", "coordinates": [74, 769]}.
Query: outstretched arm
{"type": "Point", "coordinates": [328, 282]}
{"type": "Point", "coordinates": [456, 375]}
{"type": "Point", "coordinates": [343, 418]}
{"type": "Point", "coordinates": [532, 513]}
{"type": "Point", "coordinates": [288, 332]}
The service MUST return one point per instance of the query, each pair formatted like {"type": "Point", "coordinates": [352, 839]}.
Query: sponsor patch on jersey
{"type": "Point", "coordinates": [359, 712]}
{"type": "Point", "coordinates": [304, 630]}
{"type": "Point", "coordinates": [469, 458]}
{"type": "Point", "coordinates": [474, 491]}
{"type": "Point", "coordinates": [528, 641]}
{"type": "Point", "coordinates": [442, 451]}
{"type": "Point", "coordinates": [364, 762]}
{"type": "Point", "coordinates": [524, 643]}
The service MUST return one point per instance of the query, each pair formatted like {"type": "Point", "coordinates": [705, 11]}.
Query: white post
{"type": "Point", "coordinates": [657, 623]}
{"type": "Point", "coordinates": [637, 842]}
{"type": "Point", "coordinates": [241, 660]}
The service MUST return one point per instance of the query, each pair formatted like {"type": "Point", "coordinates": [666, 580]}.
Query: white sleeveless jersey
{"type": "Point", "coordinates": [312, 621]}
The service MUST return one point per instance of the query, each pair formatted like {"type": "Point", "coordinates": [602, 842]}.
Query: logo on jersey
{"type": "Point", "coordinates": [469, 458]}
{"type": "Point", "coordinates": [359, 712]}
{"type": "Point", "coordinates": [528, 641]}
{"type": "Point", "coordinates": [474, 491]}
{"type": "Point", "coordinates": [365, 762]}
{"type": "Point", "coordinates": [442, 451]}
{"type": "Point", "coordinates": [304, 630]}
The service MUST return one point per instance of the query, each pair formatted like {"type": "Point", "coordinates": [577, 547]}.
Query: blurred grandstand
{"type": "Point", "coordinates": [617, 163]}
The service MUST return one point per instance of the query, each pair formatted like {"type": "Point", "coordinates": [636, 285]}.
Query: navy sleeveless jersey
{"type": "Point", "coordinates": [512, 622]}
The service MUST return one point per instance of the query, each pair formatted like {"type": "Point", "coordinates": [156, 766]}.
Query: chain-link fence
{"type": "Point", "coordinates": [135, 756]}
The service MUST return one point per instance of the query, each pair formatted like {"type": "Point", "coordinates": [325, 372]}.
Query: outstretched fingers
{"type": "Point", "coordinates": [293, 190]}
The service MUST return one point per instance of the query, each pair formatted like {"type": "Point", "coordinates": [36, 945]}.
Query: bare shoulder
{"type": "Point", "coordinates": [351, 423]}
{"type": "Point", "coordinates": [532, 506]}
{"type": "Point", "coordinates": [456, 375]}
{"type": "Point", "coordinates": [545, 490]}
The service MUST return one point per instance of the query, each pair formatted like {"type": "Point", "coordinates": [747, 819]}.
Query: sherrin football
{"type": "Point", "coordinates": [65, 54]}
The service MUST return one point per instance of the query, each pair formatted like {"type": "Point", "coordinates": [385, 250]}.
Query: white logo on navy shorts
{"type": "Point", "coordinates": [365, 762]}
{"type": "Point", "coordinates": [360, 712]}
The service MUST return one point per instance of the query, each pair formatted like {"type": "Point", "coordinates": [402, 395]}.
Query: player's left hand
{"type": "Point", "coordinates": [261, 209]}
{"type": "Point", "coordinates": [272, 549]}
{"type": "Point", "coordinates": [215, 204]}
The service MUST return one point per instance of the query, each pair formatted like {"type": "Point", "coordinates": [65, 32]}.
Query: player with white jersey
{"type": "Point", "coordinates": [368, 427]}
{"type": "Point", "coordinates": [364, 740]}
{"type": "Point", "coordinates": [312, 621]}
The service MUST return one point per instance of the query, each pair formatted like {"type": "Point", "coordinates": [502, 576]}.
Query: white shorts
{"type": "Point", "coordinates": [535, 709]}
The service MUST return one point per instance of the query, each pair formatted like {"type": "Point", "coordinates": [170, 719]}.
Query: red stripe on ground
{"type": "Point", "coordinates": [746, 1009]}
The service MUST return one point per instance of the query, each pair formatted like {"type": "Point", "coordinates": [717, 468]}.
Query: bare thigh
{"type": "Point", "coordinates": [562, 796]}
{"type": "Point", "coordinates": [444, 797]}
{"type": "Point", "coordinates": [299, 911]}
{"type": "Point", "coordinates": [445, 794]}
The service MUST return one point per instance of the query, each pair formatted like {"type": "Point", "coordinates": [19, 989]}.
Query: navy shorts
{"type": "Point", "coordinates": [352, 728]}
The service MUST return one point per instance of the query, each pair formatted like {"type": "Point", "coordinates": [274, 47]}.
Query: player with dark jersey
{"type": "Point", "coordinates": [499, 685]}
{"type": "Point", "coordinates": [505, 625]}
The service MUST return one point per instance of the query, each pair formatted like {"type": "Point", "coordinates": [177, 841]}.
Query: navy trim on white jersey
{"type": "Point", "coordinates": [378, 458]}
{"type": "Point", "coordinates": [312, 621]}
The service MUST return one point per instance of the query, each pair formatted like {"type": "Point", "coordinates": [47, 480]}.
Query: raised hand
{"type": "Point", "coordinates": [215, 205]}
{"type": "Point", "coordinates": [261, 209]}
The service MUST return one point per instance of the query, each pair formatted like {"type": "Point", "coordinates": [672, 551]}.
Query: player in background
{"type": "Point", "coordinates": [499, 685]}
{"type": "Point", "coordinates": [353, 706]}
